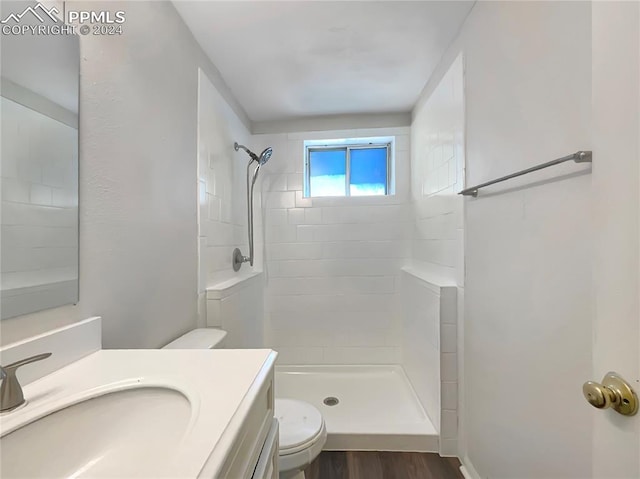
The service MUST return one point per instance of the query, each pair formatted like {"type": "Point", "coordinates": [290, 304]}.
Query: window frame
{"type": "Point", "coordinates": [353, 145]}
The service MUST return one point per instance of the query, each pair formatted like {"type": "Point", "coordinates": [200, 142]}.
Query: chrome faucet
{"type": "Point", "coordinates": [11, 392]}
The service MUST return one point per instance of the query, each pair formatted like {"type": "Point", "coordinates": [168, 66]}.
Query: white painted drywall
{"type": "Point", "coordinates": [138, 220]}
{"type": "Point", "coordinates": [332, 264]}
{"type": "Point", "coordinates": [137, 178]}
{"type": "Point", "coordinates": [527, 301]}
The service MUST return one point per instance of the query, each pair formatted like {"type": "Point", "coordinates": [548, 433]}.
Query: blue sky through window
{"type": "Point", "coordinates": [327, 172]}
{"type": "Point", "coordinates": [368, 171]}
{"type": "Point", "coordinates": [328, 168]}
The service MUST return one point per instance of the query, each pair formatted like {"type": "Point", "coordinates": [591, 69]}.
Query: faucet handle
{"type": "Point", "coordinates": [11, 392]}
{"type": "Point", "coordinates": [22, 362]}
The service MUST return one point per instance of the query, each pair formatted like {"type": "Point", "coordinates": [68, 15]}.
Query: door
{"type": "Point", "coordinates": [616, 183]}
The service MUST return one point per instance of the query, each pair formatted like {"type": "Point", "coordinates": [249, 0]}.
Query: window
{"type": "Point", "coordinates": [347, 168]}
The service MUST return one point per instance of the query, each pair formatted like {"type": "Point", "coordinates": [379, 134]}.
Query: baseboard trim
{"type": "Point", "coordinates": [467, 469]}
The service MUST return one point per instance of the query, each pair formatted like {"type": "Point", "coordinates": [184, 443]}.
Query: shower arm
{"type": "Point", "coordinates": [251, 154]}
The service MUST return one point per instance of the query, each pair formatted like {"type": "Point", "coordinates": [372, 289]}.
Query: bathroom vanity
{"type": "Point", "coordinates": [146, 413]}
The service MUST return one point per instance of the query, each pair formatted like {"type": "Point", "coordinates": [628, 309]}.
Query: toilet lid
{"type": "Point", "coordinates": [299, 422]}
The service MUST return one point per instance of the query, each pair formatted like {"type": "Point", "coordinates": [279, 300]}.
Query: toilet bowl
{"type": "Point", "coordinates": [302, 436]}
{"type": "Point", "coordinates": [302, 432]}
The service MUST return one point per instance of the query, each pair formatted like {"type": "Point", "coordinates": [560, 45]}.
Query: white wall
{"type": "Point", "coordinates": [332, 264]}
{"type": "Point", "coordinates": [138, 183]}
{"type": "Point", "coordinates": [527, 303]}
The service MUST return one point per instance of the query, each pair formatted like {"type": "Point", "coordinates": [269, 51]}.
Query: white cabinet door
{"type": "Point", "coordinates": [267, 467]}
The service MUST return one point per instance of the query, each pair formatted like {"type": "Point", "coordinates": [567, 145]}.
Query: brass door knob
{"type": "Point", "coordinates": [614, 392]}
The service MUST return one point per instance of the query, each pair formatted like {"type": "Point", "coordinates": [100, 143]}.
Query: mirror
{"type": "Point", "coordinates": [39, 92]}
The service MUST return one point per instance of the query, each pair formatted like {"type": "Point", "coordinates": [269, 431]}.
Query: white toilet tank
{"type": "Point", "coordinates": [201, 338]}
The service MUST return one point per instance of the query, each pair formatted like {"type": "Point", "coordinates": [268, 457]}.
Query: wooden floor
{"type": "Point", "coordinates": [383, 465]}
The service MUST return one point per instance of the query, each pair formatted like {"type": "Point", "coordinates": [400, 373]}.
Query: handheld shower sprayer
{"type": "Point", "coordinates": [238, 258]}
{"type": "Point", "coordinates": [261, 160]}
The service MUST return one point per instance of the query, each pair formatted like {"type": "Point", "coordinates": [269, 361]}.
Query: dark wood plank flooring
{"type": "Point", "coordinates": [383, 465]}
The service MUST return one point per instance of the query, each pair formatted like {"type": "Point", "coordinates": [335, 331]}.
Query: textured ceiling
{"type": "Point", "coordinates": [285, 60]}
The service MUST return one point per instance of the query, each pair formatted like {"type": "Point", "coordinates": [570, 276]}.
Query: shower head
{"type": "Point", "coordinates": [265, 155]}
{"type": "Point", "coordinates": [262, 159]}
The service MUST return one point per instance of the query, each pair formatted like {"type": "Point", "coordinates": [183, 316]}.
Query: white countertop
{"type": "Point", "coordinates": [218, 383]}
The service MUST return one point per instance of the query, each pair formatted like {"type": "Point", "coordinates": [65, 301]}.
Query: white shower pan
{"type": "Point", "coordinates": [377, 408]}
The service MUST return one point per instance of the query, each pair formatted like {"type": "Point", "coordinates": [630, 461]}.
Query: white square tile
{"type": "Point", "coordinates": [295, 154]}
{"type": "Point", "coordinates": [449, 367]}
{"type": "Point", "coordinates": [294, 181]}
{"type": "Point", "coordinates": [296, 216]}
{"type": "Point", "coordinates": [299, 355]}
{"type": "Point", "coordinates": [301, 202]}
{"type": "Point", "coordinates": [214, 317]}
{"type": "Point", "coordinates": [448, 305]}
{"type": "Point", "coordinates": [448, 338]}
{"type": "Point", "coordinates": [305, 233]}
{"type": "Point", "coordinates": [449, 396]}
{"type": "Point", "coordinates": [279, 182]}
{"type": "Point", "coordinates": [276, 217]}
{"type": "Point", "coordinates": [449, 424]}
{"type": "Point", "coordinates": [449, 447]}
{"type": "Point", "coordinates": [281, 199]}
{"type": "Point", "coordinates": [313, 216]}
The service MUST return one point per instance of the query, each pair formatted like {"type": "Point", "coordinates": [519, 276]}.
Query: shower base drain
{"type": "Point", "coordinates": [330, 401]}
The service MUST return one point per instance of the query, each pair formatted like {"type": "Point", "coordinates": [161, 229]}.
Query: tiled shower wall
{"type": "Point", "coordinates": [221, 190]}
{"type": "Point", "coordinates": [437, 165]}
{"type": "Point", "coordinates": [333, 264]}
{"type": "Point", "coordinates": [432, 331]}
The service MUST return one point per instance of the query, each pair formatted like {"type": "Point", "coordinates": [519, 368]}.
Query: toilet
{"type": "Point", "coordinates": [302, 436]}
{"type": "Point", "coordinates": [302, 432]}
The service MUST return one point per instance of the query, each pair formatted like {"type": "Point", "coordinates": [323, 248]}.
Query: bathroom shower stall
{"type": "Point", "coordinates": [357, 293]}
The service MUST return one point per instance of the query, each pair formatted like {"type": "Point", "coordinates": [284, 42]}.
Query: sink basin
{"type": "Point", "coordinates": [128, 433]}
{"type": "Point", "coordinates": [136, 413]}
